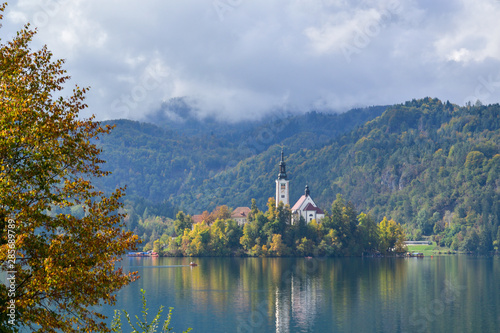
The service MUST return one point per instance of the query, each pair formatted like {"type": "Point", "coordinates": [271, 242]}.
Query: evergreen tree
{"type": "Point", "coordinates": [182, 222]}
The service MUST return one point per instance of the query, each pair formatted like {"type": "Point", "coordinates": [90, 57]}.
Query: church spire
{"type": "Point", "coordinates": [282, 174]}
{"type": "Point", "coordinates": [307, 192]}
{"type": "Point", "coordinates": [282, 186]}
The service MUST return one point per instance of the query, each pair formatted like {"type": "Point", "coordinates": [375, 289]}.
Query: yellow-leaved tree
{"type": "Point", "coordinates": [391, 236]}
{"type": "Point", "coordinates": [58, 266]}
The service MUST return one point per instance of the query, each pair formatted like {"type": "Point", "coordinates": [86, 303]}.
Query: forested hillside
{"type": "Point", "coordinates": [159, 163]}
{"type": "Point", "coordinates": [429, 165]}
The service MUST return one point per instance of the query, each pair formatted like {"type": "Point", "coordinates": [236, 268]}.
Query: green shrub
{"type": "Point", "coordinates": [142, 325]}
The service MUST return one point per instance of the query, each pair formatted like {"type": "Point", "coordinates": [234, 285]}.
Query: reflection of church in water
{"type": "Point", "coordinates": [305, 207]}
{"type": "Point", "coordinates": [296, 303]}
{"type": "Point", "coordinates": [296, 306]}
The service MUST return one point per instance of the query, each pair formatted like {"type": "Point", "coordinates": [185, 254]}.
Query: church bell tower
{"type": "Point", "coordinates": [282, 186]}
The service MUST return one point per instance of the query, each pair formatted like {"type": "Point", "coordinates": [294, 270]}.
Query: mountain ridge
{"type": "Point", "coordinates": [179, 160]}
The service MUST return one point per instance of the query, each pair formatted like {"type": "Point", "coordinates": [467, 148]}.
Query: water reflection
{"type": "Point", "coordinates": [457, 294]}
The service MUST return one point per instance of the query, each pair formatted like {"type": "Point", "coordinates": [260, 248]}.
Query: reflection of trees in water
{"type": "Point", "coordinates": [311, 285]}
{"type": "Point", "coordinates": [342, 294]}
{"type": "Point", "coordinates": [291, 290]}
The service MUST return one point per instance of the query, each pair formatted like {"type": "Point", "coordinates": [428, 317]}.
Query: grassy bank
{"type": "Point", "coordinates": [430, 250]}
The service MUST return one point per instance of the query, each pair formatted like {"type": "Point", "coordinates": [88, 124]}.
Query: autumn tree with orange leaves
{"type": "Point", "coordinates": [57, 265]}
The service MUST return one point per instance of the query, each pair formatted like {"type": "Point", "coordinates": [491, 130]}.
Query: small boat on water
{"type": "Point", "coordinates": [192, 264]}
{"type": "Point", "coordinates": [415, 254]}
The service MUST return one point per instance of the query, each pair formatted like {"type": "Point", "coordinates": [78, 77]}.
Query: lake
{"type": "Point", "coordinates": [439, 294]}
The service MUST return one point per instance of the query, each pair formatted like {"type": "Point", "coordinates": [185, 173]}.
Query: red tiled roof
{"type": "Point", "coordinates": [240, 212]}
{"type": "Point", "coordinates": [197, 218]}
{"type": "Point", "coordinates": [311, 207]}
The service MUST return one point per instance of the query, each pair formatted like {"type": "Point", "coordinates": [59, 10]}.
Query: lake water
{"type": "Point", "coordinates": [439, 294]}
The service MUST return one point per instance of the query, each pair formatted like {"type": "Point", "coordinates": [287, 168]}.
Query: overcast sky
{"type": "Point", "coordinates": [241, 59]}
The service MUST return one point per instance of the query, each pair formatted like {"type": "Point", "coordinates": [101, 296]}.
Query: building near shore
{"type": "Point", "coordinates": [240, 215]}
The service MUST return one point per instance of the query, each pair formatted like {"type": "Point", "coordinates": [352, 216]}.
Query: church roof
{"type": "Point", "coordinates": [299, 203]}
{"type": "Point", "coordinates": [311, 207]}
{"type": "Point", "coordinates": [282, 173]}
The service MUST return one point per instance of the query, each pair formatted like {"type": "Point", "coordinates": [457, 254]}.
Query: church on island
{"type": "Point", "coordinates": [304, 207]}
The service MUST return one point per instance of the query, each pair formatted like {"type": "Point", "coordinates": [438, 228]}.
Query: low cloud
{"type": "Point", "coordinates": [238, 60]}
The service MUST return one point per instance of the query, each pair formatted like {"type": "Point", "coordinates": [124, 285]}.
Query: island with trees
{"type": "Point", "coordinates": [342, 232]}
